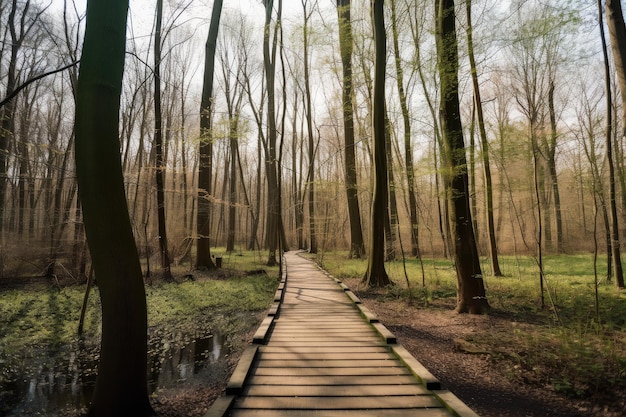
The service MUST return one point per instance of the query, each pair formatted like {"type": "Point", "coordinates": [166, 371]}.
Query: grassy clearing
{"type": "Point", "coordinates": [43, 319]}
{"type": "Point", "coordinates": [566, 346]}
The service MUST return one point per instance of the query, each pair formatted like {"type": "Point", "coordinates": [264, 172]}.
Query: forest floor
{"type": "Point", "coordinates": [437, 337]}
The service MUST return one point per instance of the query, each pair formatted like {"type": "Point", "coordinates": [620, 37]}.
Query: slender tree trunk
{"type": "Point", "coordinates": [205, 165]}
{"type": "Point", "coordinates": [232, 187]}
{"type": "Point", "coordinates": [617, 34]}
{"type": "Point", "coordinates": [552, 169]}
{"type": "Point", "coordinates": [357, 245]}
{"type": "Point", "coordinates": [472, 174]}
{"type": "Point", "coordinates": [273, 195]}
{"type": "Point", "coordinates": [158, 140]}
{"type": "Point", "coordinates": [537, 181]}
{"type": "Point", "coordinates": [484, 147]}
{"type": "Point", "coordinates": [309, 126]}
{"type": "Point", "coordinates": [391, 226]}
{"type": "Point", "coordinates": [470, 287]}
{"type": "Point", "coordinates": [376, 276]}
{"type": "Point", "coordinates": [7, 124]}
{"type": "Point", "coordinates": [408, 148]}
{"type": "Point", "coordinates": [121, 385]}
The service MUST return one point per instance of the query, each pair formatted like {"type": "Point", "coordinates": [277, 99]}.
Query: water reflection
{"type": "Point", "coordinates": [67, 382]}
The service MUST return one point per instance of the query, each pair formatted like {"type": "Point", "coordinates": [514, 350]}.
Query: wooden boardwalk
{"type": "Point", "coordinates": [319, 352]}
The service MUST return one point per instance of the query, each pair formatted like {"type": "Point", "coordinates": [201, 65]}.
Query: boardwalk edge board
{"type": "Point", "coordinates": [454, 404]}
{"type": "Point", "coordinates": [221, 406]}
{"type": "Point", "coordinates": [419, 370]}
{"type": "Point", "coordinates": [387, 336]}
{"type": "Point", "coordinates": [262, 333]}
{"type": "Point", "coordinates": [368, 314]}
{"type": "Point", "coordinates": [241, 372]}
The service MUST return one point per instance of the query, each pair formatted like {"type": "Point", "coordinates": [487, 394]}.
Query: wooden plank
{"type": "Point", "coordinates": [346, 371]}
{"type": "Point", "coordinates": [323, 356]}
{"type": "Point", "coordinates": [421, 412]}
{"type": "Point", "coordinates": [241, 372]}
{"type": "Point", "coordinates": [328, 338]}
{"type": "Point", "coordinates": [324, 349]}
{"type": "Point", "coordinates": [262, 333]}
{"type": "Point", "coordinates": [334, 391]}
{"type": "Point", "coordinates": [281, 331]}
{"type": "Point", "coordinates": [320, 344]}
{"type": "Point", "coordinates": [417, 368]}
{"type": "Point", "coordinates": [220, 407]}
{"type": "Point", "coordinates": [281, 328]}
{"type": "Point", "coordinates": [330, 403]}
{"type": "Point", "coordinates": [334, 363]}
{"type": "Point", "coordinates": [330, 380]}
{"type": "Point", "coordinates": [387, 336]}
{"type": "Point", "coordinates": [278, 295]}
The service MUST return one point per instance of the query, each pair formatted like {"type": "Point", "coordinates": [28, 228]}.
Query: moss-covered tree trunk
{"type": "Point", "coordinates": [121, 385]}
{"type": "Point", "coordinates": [470, 287]}
{"type": "Point", "coordinates": [376, 276]}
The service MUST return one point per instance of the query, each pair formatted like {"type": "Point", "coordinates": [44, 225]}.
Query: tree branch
{"type": "Point", "coordinates": [26, 83]}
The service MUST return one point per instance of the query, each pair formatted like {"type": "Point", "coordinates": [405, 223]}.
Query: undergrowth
{"type": "Point", "coordinates": [566, 346]}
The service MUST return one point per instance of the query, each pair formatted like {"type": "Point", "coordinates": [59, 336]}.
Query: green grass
{"type": "Point", "coordinates": [565, 345]}
{"type": "Point", "coordinates": [42, 319]}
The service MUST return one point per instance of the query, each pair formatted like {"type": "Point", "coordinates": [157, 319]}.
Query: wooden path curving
{"type": "Point", "coordinates": [319, 352]}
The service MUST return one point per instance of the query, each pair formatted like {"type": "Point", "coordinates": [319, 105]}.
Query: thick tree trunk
{"type": "Point", "coordinates": [121, 385]}
{"type": "Point", "coordinates": [617, 34]}
{"type": "Point", "coordinates": [376, 276]}
{"type": "Point", "coordinates": [357, 245]}
{"type": "Point", "coordinates": [273, 193]}
{"type": "Point", "coordinates": [470, 287]}
{"type": "Point", "coordinates": [205, 165]}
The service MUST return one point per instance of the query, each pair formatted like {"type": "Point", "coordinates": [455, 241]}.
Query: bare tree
{"type": "Point", "coordinates": [408, 148]}
{"type": "Point", "coordinates": [158, 141]}
{"type": "Point", "coordinates": [484, 145]}
{"type": "Point", "coordinates": [121, 385]}
{"type": "Point", "coordinates": [470, 287]}
{"type": "Point", "coordinates": [205, 165]}
{"type": "Point", "coordinates": [357, 246]}
{"type": "Point", "coordinates": [617, 34]}
{"type": "Point", "coordinates": [274, 220]}
{"type": "Point", "coordinates": [376, 276]}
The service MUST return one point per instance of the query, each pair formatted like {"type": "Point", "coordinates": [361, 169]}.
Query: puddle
{"type": "Point", "coordinates": [66, 382]}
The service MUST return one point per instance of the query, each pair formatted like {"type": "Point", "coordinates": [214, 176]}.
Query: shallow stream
{"type": "Point", "coordinates": [64, 381]}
